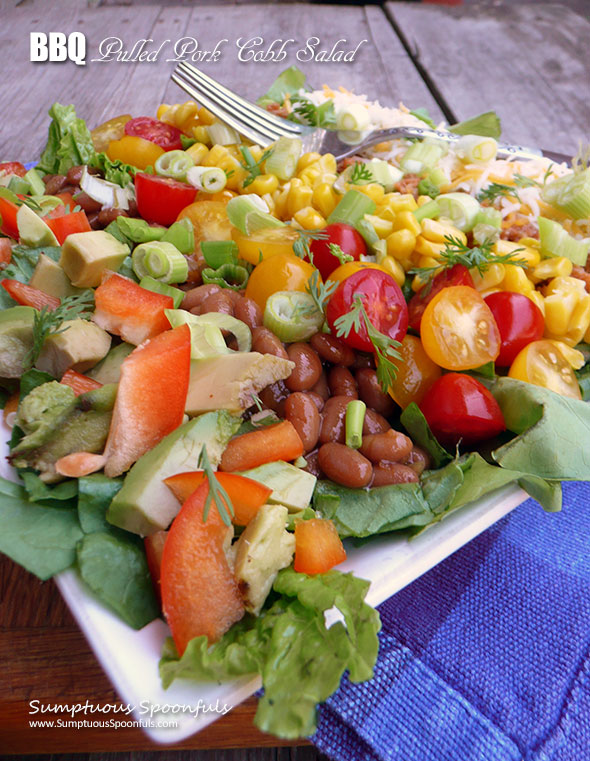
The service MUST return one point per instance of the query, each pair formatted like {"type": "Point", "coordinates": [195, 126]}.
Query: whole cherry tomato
{"type": "Point", "coordinates": [12, 167]}
{"type": "Point", "coordinates": [165, 135]}
{"type": "Point", "coordinates": [416, 373]}
{"type": "Point", "coordinates": [458, 407]}
{"type": "Point", "coordinates": [350, 241]}
{"type": "Point", "coordinates": [134, 150]}
{"type": "Point", "coordinates": [458, 329]}
{"type": "Point", "coordinates": [458, 274]}
{"type": "Point", "coordinates": [281, 272]}
{"type": "Point", "coordinates": [549, 364]}
{"type": "Point", "coordinates": [161, 199]}
{"type": "Point", "coordinates": [383, 301]}
{"type": "Point", "coordinates": [519, 320]}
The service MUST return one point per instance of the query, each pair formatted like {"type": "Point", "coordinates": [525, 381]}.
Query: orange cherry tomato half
{"type": "Point", "coordinates": [545, 363]}
{"type": "Point", "coordinates": [281, 272]}
{"type": "Point", "coordinates": [416, 373]}
{"type": "Point", "coordinates": [458, 329]}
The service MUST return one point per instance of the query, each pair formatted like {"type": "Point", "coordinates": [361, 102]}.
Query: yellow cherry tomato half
{"type": "Point", "coordinates": [281, 272]}
{"type": "Point", "coordinates": [348, 269]}
{"type": "Point", "coordinates": [209, 220]}
{"type": "Point", "coordinates": [458, 329]}
{"type": "Point", "coordinates": [416, 373]}
{"type": "Point", "coordinates": [545, 363]}
{"type": "Point", "coordinates": [106, 132]}
{"type": "Point", "coordinates": [134, 150]}
{"type": "Point", "coordinates": [264, 243]}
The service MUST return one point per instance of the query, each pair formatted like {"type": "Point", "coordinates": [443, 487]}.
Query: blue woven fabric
{"type": "Point", "coordinates": [484, 658]}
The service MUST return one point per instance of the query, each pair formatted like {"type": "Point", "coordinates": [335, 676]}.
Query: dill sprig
{"type": "Point", "coordinates": [480, 257]}
{"type": "Point", "coordinates": [336, 251]}
{"type": "Point", "coordinates": [525, 182]}
{"type": "Point", "coordinates": [216, 491]}
{"type": "Point", "coordinates": [496, 190]}
{"type": "Point", "coordinates": [251, 166]}
{"type": "Point", "coordinates": [301, 245]}
{"type": "Point", "coordinates": [320, 292]}
{"type": "Point", "coordinates": [48, 322]}
{"type": "Point", "coordinates": [384, 346]}
{"type": "Point", "coordinates": [316, 116]}
{"type": "Point", "coordinates": [360, 174]}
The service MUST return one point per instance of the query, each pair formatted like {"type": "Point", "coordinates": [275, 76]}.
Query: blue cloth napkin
{"type": "Point", "coordinates": [486, 657]}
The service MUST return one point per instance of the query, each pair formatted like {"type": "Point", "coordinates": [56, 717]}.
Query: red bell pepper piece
{"type": "Point", "coordinates": [317, 546]}
{"type": "Point", "coordinates": [28, 296]}
{"type": "Point", "coordinates": [78, 382]}
{"type": "Point", "coordinates": [130, 311]}
{"type": "Point", "coordinates": [8, 212]}
{"type": "Point", "coordinates": [200, 595]}
{"type": "Point", "coordinates": [277, 442]}
{"type": "Point", "coordinates": [246, 495]}
{"type": "Point", "coordinates": [150, 398]}
{"type": "Point", "coordinates": [66, 224]}
{"type": "Point", "coordinates": [5, 251]}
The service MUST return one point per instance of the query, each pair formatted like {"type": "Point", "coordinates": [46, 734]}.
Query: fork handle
{"type": "Point", "coordinates": [504, 150]}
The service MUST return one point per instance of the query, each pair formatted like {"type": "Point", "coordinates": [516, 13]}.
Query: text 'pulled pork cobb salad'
{"type": "Point", "coordinates": [220, 360]}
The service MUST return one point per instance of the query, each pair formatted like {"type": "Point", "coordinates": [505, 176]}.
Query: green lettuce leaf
{"type": "Point", "coordinates": [301, 661]}
{"type": "Point", "coordinates": [95, 494]}
{"type": "Point", "coordinates": [288, 82]}
{"type": "Point", "coordinates": [39, 491]}
{"type": "Point", "coordinates": [487, 125]}
{"type": "Point", "coordinates": [69, 142]}
{"type": "Point", "coordinates": [114, 171]}
{"type": "Point", "coordinates": [419, 431]}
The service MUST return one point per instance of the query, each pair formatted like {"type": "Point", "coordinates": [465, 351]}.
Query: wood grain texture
{"type": "Point", "coordinates": [528, 62]}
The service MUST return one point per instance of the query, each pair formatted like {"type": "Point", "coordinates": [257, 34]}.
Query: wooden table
{"type": "Point", "coordinates": [528, 61]}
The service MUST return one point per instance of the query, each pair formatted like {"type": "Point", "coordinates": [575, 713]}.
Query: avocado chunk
{"type": "Point", "coordinates": [264, 547]}
{"type": "Point", "coordinates": [290, 485]}
{"type": "Point", "coordinates": [42, 412]}
{"type": "Point", "coordinates": [108, 370]}
{"type": "Point", "coordinates": [230, 381]}
{"type": "Point", "coordinates": [80, 345]}
{"type": "Point", "coordinates": [85, 256]}
{"type": "Point", "coordinates": [50, 278]}
{"type": "Point", "coordinates": [32, 230]}
{"type": "Point", "coordinates": [145, 504]}
{"type": "Point", "coordinates": [16, 340]}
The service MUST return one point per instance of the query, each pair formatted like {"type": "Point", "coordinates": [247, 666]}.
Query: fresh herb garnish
{"type": "Point", "coordinates": [480, 257]}
{"type": "Point", "coordinates": [336, 251]}
{"type": "Point", "coordinates": [216, 491]}
{"type": "Point", "coordinates": [384, 346]}
{"type": "Point", "coordinates": [320, 292]}
{"type": "Point", "coordinates": [316, 116]}
{"type": "Point", "coordinates": [48, 322]}
{"type": "Point", "coordinates": [360, 174]}
{"type": "Point", "coordinates": [427, 188]}
{"type": "Point", "coordinates": [301, 245]}
{"type": "Point", "coordinates": [257, 402]}
{"type": "Point", "coordinates": [252, 166]}
{"type": "Point", "coordinates": [496, 190]}
{"type": "Point", "coordinates": [13, 198]}
{"type": "Point", "coordinates": [525, 182]}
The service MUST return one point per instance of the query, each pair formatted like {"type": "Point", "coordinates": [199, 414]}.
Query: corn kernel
{"type": "Point", "coordinates": [428, 248]}
{"type": "Point", "coordinates": [162, 108]}
{"type": "Point", "coordinates": [310, 175]}
{"type": "Point", "coordinates": [263, 183]}
{"type": "Point", "coordinates": [423, 200]}
{"type": "Point", "coordinates": [280, 201]}
{"type": "Point", "coordinates": [309, 218]}
{"type": "Point", "coordinates": [198, 152]}
{"type": "Point", "coordinates": [324, 198]}
{"type": "Point", "coordinates": [558, 313]}
{"type": "Point", "coordinates": [557, 266]}
{"type": "Point", "coordinates": [270, 202]}
{"type": "Point", "coordinates": [306, 159]}
{"type": "Point", "coordinates": [201, 135]}
{"type": "Point", "coordinates": [383, 227]}
{"type": "Point", "coordinates": [490, 278]}
{"type": "Point", "coordinates": [427, 262]}
{"type": "Point", "coordinates": [529, 255]}
{"type": "Point", "coordinates": [299, 197]}
{"type": "Point", "coordinates": [438, 231]}
{"type": "Point", "coordinates": [417, 283]}
{"type": "Point", "coordinates": [385, 212]}
{"type": "Point", "coordinates": [515, 280]}
{"type": "Point", "coordinates": [537, 298]}
{"type": "Point", "coordinates": [220, 156]}
{"type": "Point", "coordinates": [401, 243]}
{"type": "Point", "coordinates": [327, 163]}
{"type": "Point", "coordinates": [373, 190]}
{"type": "Point", "coordinates": [405, 220]}
{"type": "Point", "coordinates": [206, 117]}
{"type": "Point", "coordinates": [400, 201]}
{"type": "Point", "coordinates": [393, 268]}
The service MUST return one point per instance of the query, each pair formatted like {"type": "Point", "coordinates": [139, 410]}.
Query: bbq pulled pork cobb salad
{"type": "Point", "coordinates": [219, 361]}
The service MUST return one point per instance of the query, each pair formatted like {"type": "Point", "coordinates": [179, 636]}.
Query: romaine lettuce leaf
{"type": "Point", "coordinates": [288, 82]}
{"type": "Point", "coordinates": [419, 431]}
{"type": "Point", "coordinates": [69, 142]}
{"type": "Point", "coordinates": [114, 171]}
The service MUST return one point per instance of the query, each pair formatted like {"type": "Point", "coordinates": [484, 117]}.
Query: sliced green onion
{"type": "Point", "coordinates": [476, 149]}
{"type": "Point", "coordinates": [150, 284]}
{"type": "Point", "coordinates": [353, 118]}
{"type": "Point", "coordinates": [570, 194]}
{"type": "Point", "coordinates": [430, 210]}
{"type": "Point", "coordinates": [292, 316]}
{"type": "Point", "coordinates": [160, 260]}
{"type": "Point", "coordinates": [211, 179]}
{"type": "Point", "coordinates": [460, 208]}
{"type": "Point", "coordinates": [351, 136]}
{"type": "Point", "coordinates": [365, 227]}
{"type": "Point", "coordinates": [488, 224]}
{"type": "Point", "coordinates": [138, 230]}
{"type": "Point", "coordinates": [352, 208]}
{"type": "Point", "coordinates": [384, 173]}
{"type": "Point", "coordinates": [221, 134]}
{"type": "Point", "coordinates": [35, 182]}
{"type": "Point", "coordinates": [422, 156]}
{"type": "Point", "coordinates": [182, 235]}
{"type": "Point", "coordinates": [437, 177]}
{"type": "Point", "coordinates": [282, 162]}
{"type": "Point", "coordinates": [229, 275]}
{"type": "Point", "coordinates": [355, 417]}
{"type": "Point", "coordinates": [206, 331]}
{"type": "Point", "coordinates": [174, 164]}
{"type": "Point", "coordinates": [250, 213]}
{"type": "Point", "coordinates": [556, 241]}
{"type": "Point", "coordinates": [259, 220]}
{"type": "Point", "coordinates": [237, 328]}
{"type": "Point", "coordinates": [218, 252]}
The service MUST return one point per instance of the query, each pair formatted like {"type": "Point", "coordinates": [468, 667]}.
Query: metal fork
{"type": "Point", "coordinates": [263, 128]}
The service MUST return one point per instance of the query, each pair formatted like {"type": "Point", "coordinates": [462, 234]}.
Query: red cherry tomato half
{"type": "Point", "coordinates": [459, 407]}
{"type": "Point", "coordinates": [161, 199]}
{"type": "Point", "coordinates": [519, 320]}
{"type": "Point", "coordinates": [12, 167]}
{"type": "Point", "coordinates": [350, 241]}
{"type": "Point", "coordinates": [383, 301]}
{"type": "Point", "coordinates": [160, 133]}
{"type": "Point", "coordinates": [458, 274]}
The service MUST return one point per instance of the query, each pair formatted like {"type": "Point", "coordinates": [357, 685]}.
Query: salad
{"type": "Point", "coordinates": [219, 361]}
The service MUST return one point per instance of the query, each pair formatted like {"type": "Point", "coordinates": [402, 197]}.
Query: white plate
{"type": "Point", "coordinates": [130, 658]}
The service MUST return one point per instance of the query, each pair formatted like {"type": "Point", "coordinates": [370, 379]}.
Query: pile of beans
{"type": "Point", "coordinates": [326, 377]}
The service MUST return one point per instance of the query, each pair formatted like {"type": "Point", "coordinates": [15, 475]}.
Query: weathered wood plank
{"type": "Point", "coordinates": [528, 62]}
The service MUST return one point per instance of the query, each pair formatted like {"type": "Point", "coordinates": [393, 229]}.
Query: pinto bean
{"type": "Point", "coordinates": [307, 370]}
{"type": "Point", "coordinates": [265, 341]}
{"type": "Point", "coordinates": [93, 220]}
{"type": "Point", "coordinates": [248, 311]}
{"type": "Point", "coordinates": [363, 359]}
{"type": "Point", "coordinates": [418, 460]}
{"type": "Point", "coordinates": [344, 465]}
{"type": "Point", "coordinates": [392, 445]}
{"type": "Point", "coordinates": [217, 302]}
{"type": "Point", "coordinates": [333, 415]}
{"type": "Point", "coordinates": [321, 387]}
{"type": "Point", "coordinates": [371, 394]}
{"type": "Point", "coordinates": [88, 204]}
{"type": "Point", "coordinates": [274, 397]}
{"type": "Point", "coordinates": [106, 216]}
{"type": "Point", "coordinates": [342, 383]}
{"type": "Point", "coordinates": [386, 473]}
{"type": "Point", "coordinates": [54, 183]}
{"type": "Point", "coordinates": [301, 411]}
{"type": "Point", "coordinates": [374, 423]}
{"type": "Point", "coordinates": [331, 349]}
{"type": "Point", "coordinates": [196, 296]}
{"type": "Point", "coordinates": [74, 175]}
{"type": "Point", "coordinates": [316, 399]}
